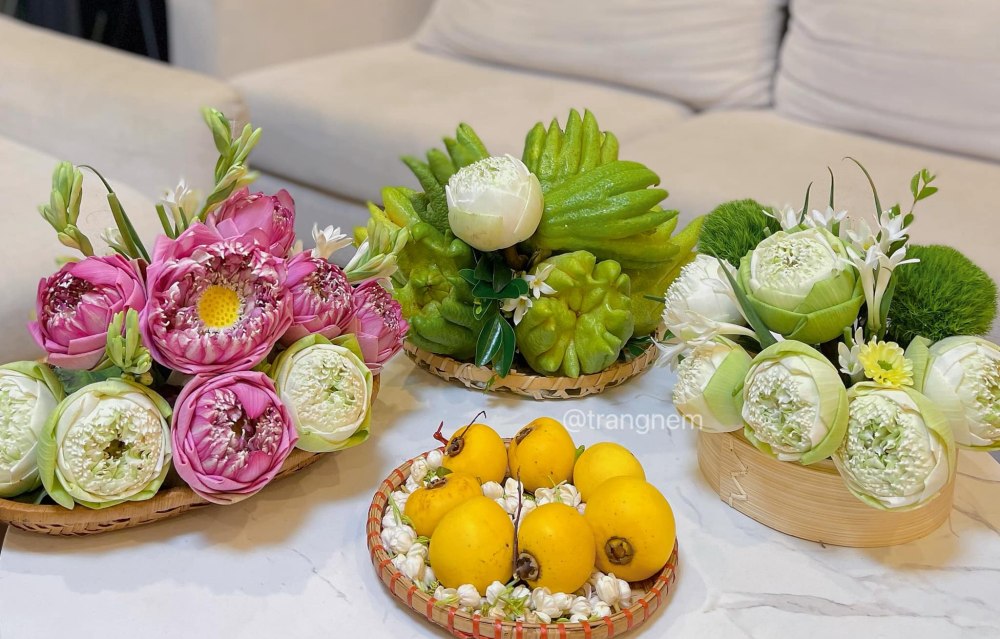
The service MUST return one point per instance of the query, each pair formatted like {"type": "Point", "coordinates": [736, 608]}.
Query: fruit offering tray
{"type": "Point", "coordinates": [544, 560]}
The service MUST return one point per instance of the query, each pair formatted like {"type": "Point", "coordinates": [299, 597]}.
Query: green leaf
{"type": "Point", "coordinates": [805, 205]}
{"type": "Point", "coordinates": [484, 268]}
{"type": "Point", "coordinates": [502, 275]}
{"type": "Point", "coordinates": [579, 451]}
{"type": "Point", "coordinates": [830, 171]}
{"type": "Point", "coordinates": [508, 346]}
{"type": "Point", "coordinates": [468, 275]}
{"type": "Point", "coordinates": [926, 192]}
{"type": "Point", "coordinates": [915, 184]}
{"type": "Point", "coordinates": [764, 336]}
{"type": "Point", "coordinates": [878, 205]}
{"type": "Point", "coordinates": [490, 341]}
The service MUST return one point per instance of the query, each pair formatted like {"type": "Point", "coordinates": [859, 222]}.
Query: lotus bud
{"type": "Point", "coordinates": [803, 285]}
{"type": "Point", "coordinates": [29, 393]}
{"type": "Point", "coordinates": [700, 303]}
{"type": "Point", "coordinates": [899, 452]}
{"type": "Point", "coordinates": [105, 444]}
{"type": "Point", "coordinates": [327, 389]}
{"type": "Point", "coordinates": [494, 203]}
{"type": "Point", "coordinates": [794, 403]}
{"type": "Point", "coordinates": [708, 381]}
{"type": "Point", "coordinates": [961, 375]}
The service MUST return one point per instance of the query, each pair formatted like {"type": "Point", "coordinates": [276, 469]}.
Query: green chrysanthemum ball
{"type": "Point", "coordinates": [944, 294]}
{"type": "Point", "coordinates": [735, 228]}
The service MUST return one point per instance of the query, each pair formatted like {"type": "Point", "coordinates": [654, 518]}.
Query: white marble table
{"type": "Point", "coordinates": [292, 562]}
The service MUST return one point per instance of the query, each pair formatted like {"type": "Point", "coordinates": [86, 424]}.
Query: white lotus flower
{"type": "Point", "coordinates": [963, 379]}
{"type": "Point", "coordinates": [707, 380]}
{"type": "Point", "coordinates": [327, 390]}
{"type": "Point", "coordinates": [105, 444]}
{"type": "Point", "coordinates": [700, 304]}
{"type": "Point", "coordinates": [328, 241]}
{"type": "Point", "coordinates": [898, 453]}
{"type": "Point", "coordinates": [494, 203]}
{"type": "Point", "coordinates": [29, 393]}
{"type": "Point", "coordinates": [794, 403]}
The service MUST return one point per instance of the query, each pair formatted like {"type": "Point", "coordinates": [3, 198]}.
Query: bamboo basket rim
{"type": "Point", "coordinates": [539, 387]}
{"type": "Point", "coordinates": [464, 625]}
{"type": "Point", "coordinates": [808, 502]}
{"type": "Point", "coordinates": [173, 501]}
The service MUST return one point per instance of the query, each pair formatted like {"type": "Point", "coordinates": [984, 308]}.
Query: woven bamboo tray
{"type": "Point", "coordinates": [810, 502]}
{"type": "Point", "coordinates": [531, 385]}
{"type": "Point", "coordinates": [649, 595]}
{"type": "Point", "coordinates": [172, 500]}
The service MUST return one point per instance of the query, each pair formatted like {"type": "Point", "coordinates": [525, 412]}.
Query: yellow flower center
{"type": "Point", "coordinates": [219, 307]}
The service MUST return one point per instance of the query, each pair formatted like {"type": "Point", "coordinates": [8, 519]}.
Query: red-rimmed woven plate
{"type": "Point", "coordinates": [649, 595]}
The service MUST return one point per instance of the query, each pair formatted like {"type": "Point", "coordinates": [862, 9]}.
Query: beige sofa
{"type": "Point", "coordinates": [137, 121]}
{"type": "Point", "coordinates": [723, 98]}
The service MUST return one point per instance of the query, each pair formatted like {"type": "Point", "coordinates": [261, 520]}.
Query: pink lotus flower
{"type": "Point", "coordinates": [76, 304]}
{"type": "Point", "coordinates": [378, 324]}
{"type": "Point", "coordinates": [231, 434]}
{"type": "Point", "coordinates": [215, 304]}
{"type": "Point", "coordinates": [271, 217]}
{"type": "Point", "coordinates": [321, 298]}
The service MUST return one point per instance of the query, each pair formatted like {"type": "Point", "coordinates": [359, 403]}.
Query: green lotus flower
{"type": "Point", "coordinates": [708, 385]}
{"type": "Point", "coordinates": [106, 444]}
{"type": "Point", "coordinates": [899, 452]}
{"type": "Point", "coordinates": [961, 375]}
{"type": "Point", "coordinates": [29, 393]}
{"type": "Point", "coordinates": [794, 403]}
{"type": "Point", "coordinates": [802, 286]}
{"type": "Point", "coordinates": [327, 389]}
{"type": "Point", "coordinates": [582, 327]}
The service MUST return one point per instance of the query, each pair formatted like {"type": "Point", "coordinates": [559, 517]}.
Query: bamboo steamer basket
{"type": "Point", "coordinates": [528, 384]}
{"type": "Point", "coordinates": [809, 502]}
{"type": "Point", "coordinates": [172, 500]}
{"type": "Point", "coordinates": [648, 596]}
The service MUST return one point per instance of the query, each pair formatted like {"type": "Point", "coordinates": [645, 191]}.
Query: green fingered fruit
{"type": "Point", "coordinates": [582, 327]}
{"type": "Point", "coordinates": [464, 149]}
{"type": "Point", "coordinates": [436, 301]}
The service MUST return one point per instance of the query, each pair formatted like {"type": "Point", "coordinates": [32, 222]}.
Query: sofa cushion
{"type": "Point", "coordinates": [717, 157]}
{"type": "Point", "coordinates": [128, 116]}
{"type": "Point", "coordinates": [31, 248]}
{"type": "Point", "coordinates": [340, 122]}
{"type": "Point", "coordinates": [711, 53]}
{"type": "Point", "coordinates": [922, 72]}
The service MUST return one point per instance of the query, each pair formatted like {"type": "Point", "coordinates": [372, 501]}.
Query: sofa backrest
{"type": "Point", "coordinates": [922, 71]}
{"type": "Point", "coordinates": [704, 53]}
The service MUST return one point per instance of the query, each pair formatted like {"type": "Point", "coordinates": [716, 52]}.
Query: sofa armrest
{"type": "Point", "coordinates": [136, 120]}
{"type": "Point", "coordinates": [226, 37]}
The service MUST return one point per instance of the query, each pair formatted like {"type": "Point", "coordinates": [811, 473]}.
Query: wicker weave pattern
{"type": "Point", "coordinates": [809, 502]}
{"type": "Point", "coordinates": [173, 500]}
{"type": "Point", "coordinates": [652, 594]}
{"type": "Point", "coordinates": [530, 385]}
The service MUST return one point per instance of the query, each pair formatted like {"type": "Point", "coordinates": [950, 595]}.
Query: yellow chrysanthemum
{"type": "Point", "coordinates": [885, 364]}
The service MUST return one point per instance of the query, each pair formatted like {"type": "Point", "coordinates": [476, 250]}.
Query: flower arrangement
{"type": "Point", "coordinates": [820, 336]}
{"type": "Point", "coordinates": [215, 354]}
{"type": "Point", "coordinates": [554, 259]}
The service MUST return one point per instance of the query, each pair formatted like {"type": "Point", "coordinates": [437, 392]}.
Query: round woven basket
{"type": "Point", "coordinates": [810, 502]}
{"type": "Point", "coordinates": [531, 385]}
{"type": "Point", "coordinates": [648, 595]}
{"type": "Point", "coordinates": [173, 499]}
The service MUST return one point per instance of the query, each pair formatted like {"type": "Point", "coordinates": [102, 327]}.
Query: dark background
{"type": "Point", "coordinates": [139, 26]}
